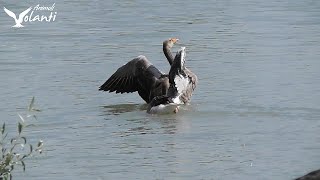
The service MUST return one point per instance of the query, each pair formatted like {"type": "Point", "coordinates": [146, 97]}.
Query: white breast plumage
{"type": "Point", "coordinates": [181, 83]}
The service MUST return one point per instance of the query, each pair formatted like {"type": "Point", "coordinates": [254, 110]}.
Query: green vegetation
{"type": "Point", "coordinates": [16, 149]}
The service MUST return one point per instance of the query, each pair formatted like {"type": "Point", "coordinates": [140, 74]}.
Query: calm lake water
{"type": "Point", "coordinates": [254, 115]}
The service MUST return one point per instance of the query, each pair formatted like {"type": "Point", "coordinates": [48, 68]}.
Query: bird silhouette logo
{"type": "Point", "coordinates": [21, 16]}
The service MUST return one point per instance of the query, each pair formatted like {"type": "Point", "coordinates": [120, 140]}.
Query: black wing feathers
{"type": "Point", "coordinates": [137, 75]}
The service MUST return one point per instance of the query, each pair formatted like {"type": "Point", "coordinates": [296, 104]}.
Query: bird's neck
{"type": "Point", "coordinates": [168, 54]}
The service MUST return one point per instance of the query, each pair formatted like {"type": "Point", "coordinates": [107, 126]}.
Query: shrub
{"type": "Point", "coordinates": [16, 149]}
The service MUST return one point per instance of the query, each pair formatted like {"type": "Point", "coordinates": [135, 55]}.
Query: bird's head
{"type": "Point", "coordinates": [170, 42]}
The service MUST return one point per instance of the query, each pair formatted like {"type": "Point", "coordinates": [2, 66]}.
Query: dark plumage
{"type": "Point", "coordinates": [182, 81]}
{"type": "Point", "coordinates": [162, 105]}
{"type": "Point", "coordinates": [137, 75]}
{"type": "Point", "coordinates": [140, 75]}
{"type": "Point", "coordinates": [314, 175]}
{"type": "Point", "coordinates": [164, 99]}
{"type": "Point", "coordinates": [181, 88]}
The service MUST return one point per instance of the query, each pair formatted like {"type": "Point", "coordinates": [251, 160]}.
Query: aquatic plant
{"type": "Point", "coordinates": [16, 149]}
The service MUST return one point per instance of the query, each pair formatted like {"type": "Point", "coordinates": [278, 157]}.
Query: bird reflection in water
{"type": "Point", "coordinates": [118, 109]}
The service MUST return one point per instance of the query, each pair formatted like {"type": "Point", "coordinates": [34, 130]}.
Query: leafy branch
{"type": "Point", "coordinates": [15, 150]}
